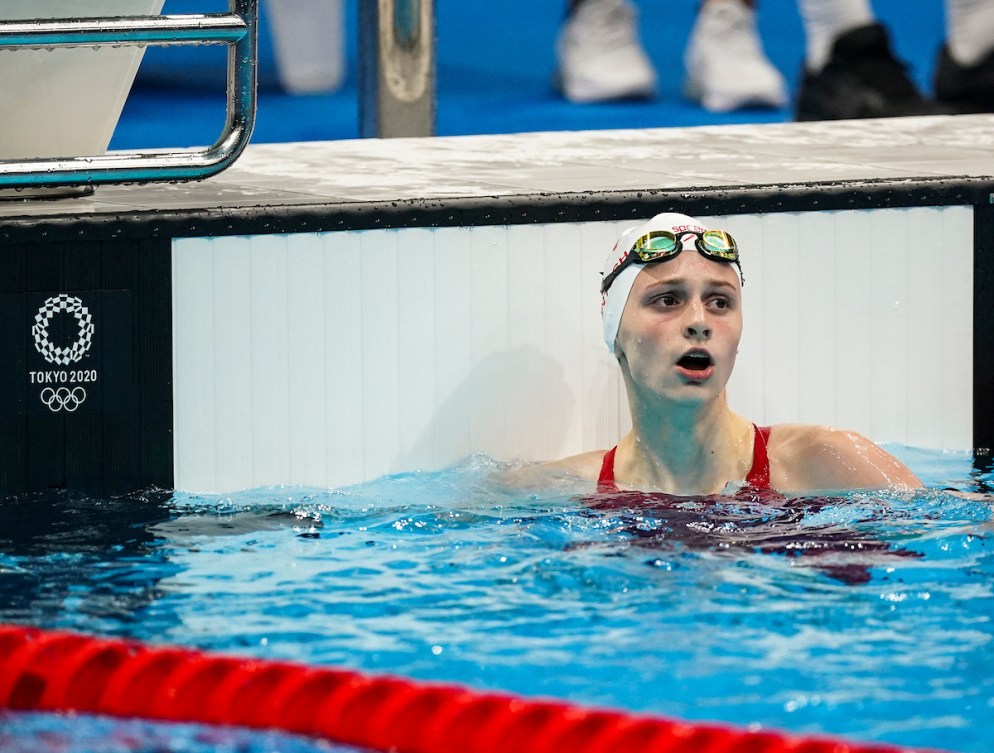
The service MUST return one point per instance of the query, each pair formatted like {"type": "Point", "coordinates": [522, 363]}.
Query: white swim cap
{"type": "Point", "coordinates": [614, 300]}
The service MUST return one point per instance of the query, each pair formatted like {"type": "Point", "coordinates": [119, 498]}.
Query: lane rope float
{"type": "Point", "coordinates": [59, 671]}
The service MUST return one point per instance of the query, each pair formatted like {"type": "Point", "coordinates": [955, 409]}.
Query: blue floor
{"type": "Point", "coordinates": [495, 64]}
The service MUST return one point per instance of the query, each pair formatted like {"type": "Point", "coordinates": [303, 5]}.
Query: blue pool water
{"type": "Point", "coordinates": [869, 616]}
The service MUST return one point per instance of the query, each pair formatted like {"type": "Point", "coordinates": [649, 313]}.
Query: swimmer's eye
{"type": "Point", "coordinates": [667, 299]}
{"type": "Point", "coordinates": [721, 303]}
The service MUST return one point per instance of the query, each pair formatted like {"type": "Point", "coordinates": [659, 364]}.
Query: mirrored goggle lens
{"type": "Point", "coordinates": [656, 245]}
{"type": "Point", "coordinates": [721, 244]}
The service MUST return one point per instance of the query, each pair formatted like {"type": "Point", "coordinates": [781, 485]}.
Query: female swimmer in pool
{"type": "Point", "coordinates": [671, 306]}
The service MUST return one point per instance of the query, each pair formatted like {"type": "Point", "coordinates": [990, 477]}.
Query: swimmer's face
{"type": "Point", "coordinates": [681, 327]}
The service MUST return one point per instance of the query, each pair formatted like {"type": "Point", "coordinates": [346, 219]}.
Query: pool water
{"type": "Point", "coordinates": [869, 616]}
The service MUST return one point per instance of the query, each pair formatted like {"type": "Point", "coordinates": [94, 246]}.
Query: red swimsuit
{"type": "Point", "coordinates": [758, 477]}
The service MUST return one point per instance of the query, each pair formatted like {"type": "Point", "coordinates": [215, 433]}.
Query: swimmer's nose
{"type": "Point", "coordinates": [697, 327]}
{"type": "Point", "coordinates": [698, 331]}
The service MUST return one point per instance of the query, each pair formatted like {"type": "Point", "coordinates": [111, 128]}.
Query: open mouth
{"type": "Point", "coordinates": [695, 360]}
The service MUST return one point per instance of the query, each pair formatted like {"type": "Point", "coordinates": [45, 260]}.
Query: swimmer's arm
{"type": "Point", "coordinates": [577, 469]}
{"type": "Point", "coordinates": [817, 458]}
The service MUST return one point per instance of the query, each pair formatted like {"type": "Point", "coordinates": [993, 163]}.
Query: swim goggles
{"type": "Point", "coordinates": [660, 245]}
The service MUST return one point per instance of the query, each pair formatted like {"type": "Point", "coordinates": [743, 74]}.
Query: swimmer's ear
{"type": "Point", "coordinates": [622, 360]}
{"type": "Point", "coordinates": [619, 349]}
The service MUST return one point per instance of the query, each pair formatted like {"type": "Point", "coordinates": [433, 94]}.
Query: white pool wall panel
{"type": "Point", "coordinates": [866, 322]}
{"type": "Point", "coordinates": [329, 359]}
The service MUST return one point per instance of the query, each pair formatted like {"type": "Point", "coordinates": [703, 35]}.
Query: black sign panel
{"type": "Point", "coordinates": [85, 367]}
{"type": "Point", "coordinates": [66, 354]}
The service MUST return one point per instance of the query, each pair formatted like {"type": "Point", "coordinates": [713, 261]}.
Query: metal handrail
{"type": "Point", "coordinates": [238, 29]}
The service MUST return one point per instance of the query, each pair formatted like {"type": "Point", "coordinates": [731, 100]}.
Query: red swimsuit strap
{"type": "Point", "coordinates": [605, 482]}
{"type": "Point", "coordinates": [759, 474]}
{"type": "Point", "coordinates": [758, 477]}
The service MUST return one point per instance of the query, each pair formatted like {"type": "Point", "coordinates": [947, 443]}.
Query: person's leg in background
{"type": "Point", "coordinates": [850, 70]}
{"type": "Point", "coordinates": [964, 75]}
{"type": "Point", "coordinates": [727, 68]}
{"type": "Point", "coordinates": [308, 39]}
{"type": "Point", "coordinates": [601, 57]}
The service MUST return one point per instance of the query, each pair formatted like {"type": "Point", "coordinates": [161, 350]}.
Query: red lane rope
{"type": "Point", "coordinates": [61, 671]}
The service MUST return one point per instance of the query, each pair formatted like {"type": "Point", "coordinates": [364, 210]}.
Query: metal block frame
{"type": "Point", "coordinates": [238, 29]}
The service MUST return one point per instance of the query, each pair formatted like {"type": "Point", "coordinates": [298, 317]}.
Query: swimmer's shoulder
{"type": "Point", "coordinates": [812, 457]}
{"type": "Point", "coordinates": [584, 467]}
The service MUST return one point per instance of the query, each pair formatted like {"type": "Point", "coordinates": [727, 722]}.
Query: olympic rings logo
{"type": "Point", "coordinates": [51, 352]}
{"type": "Point", "coordinates": [63, 398]}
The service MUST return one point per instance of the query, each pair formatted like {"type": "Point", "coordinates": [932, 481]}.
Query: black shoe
{"type": "Point", "coordinates": [862, 79]}
{"type": "Point", "coordinates": [965, 88]}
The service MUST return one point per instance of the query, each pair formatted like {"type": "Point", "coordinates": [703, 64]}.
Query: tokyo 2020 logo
{"type": "Point", "coordinates": [63, 356]}
{"type": "Point", "coordinates": [60, 398]}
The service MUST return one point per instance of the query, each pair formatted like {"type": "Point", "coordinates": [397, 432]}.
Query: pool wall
{"type": "Point", "coordinates": [327, 359]}
{"type": "Point", "coordinates": [325, 313]}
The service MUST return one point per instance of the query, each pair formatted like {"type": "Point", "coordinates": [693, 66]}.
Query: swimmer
{"type": "Point", "coordinates": [672, 313]}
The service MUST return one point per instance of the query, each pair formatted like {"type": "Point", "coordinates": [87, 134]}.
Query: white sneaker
{"type": "Point", "coordinates": [600, 55]}
{"type": "Point", "coordinates": [726, 66]}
